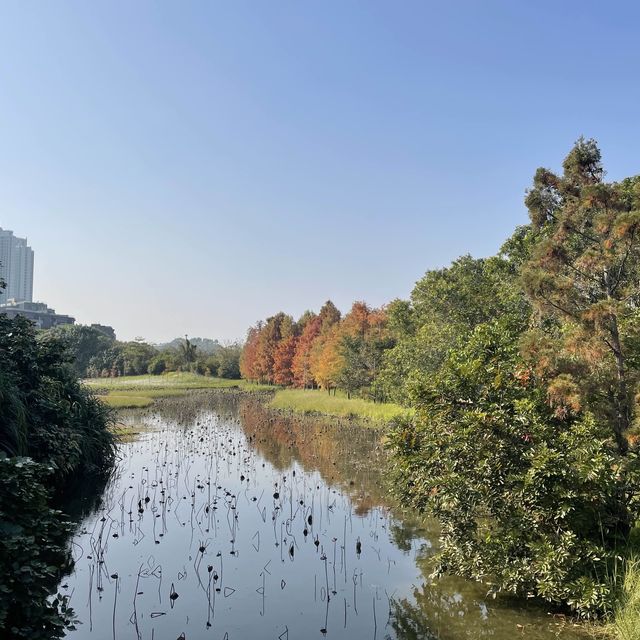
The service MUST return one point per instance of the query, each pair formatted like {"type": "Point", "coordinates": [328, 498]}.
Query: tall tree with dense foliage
{"type": "Point", "coordinates": [584, 272]}
{"type": "Point", "coordinates": [283, 361]}
{"type": "Point", "coordinates": [84, 343]}
{"type": "Point", "coordinates": [324, 359]}
{"type": "Point", "coordinates": [445, 306]}
{"type": "Point", "coordinates": [275, 329]}
{"type": "Point", "coordinates": [301, 366]}
{"type": "Point", "coordinates": [327, 361]}
{"type": "Point", "coordinates": [519, 442]}
{"type": "Point", "coordinates": [329, 316]}
{"type": "Point", "coordinates": [248, 359]}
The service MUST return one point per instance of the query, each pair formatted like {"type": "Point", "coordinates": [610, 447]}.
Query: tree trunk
{"type": "Point", "coordinates": [623, 412]}
{"type": "Point", "coordinates": [622, 397]}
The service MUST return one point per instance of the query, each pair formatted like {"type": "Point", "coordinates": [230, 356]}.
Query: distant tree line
{"type": "Point", "coordinates": [320, 350]}
{"type": "Point", "coordinates": [96, 353]}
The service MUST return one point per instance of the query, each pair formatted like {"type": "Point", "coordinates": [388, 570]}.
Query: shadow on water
{"type": "Point", "coordinates": [226, 520]}
{"type": "Point", "coordinates": [82, 496]}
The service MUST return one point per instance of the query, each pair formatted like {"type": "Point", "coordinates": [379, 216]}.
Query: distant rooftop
{"type": "Point", "coordinates": [38, 312]}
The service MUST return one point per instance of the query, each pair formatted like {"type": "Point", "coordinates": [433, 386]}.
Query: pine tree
{"type": "Point", "coordinates": [583, 278]}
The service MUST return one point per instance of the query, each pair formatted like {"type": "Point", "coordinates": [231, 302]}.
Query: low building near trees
{"type": "Point", "coordinates": [38, 312]}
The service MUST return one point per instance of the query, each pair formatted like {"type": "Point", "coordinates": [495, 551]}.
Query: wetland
{"type": "Point", "coordinates": [225, 519]}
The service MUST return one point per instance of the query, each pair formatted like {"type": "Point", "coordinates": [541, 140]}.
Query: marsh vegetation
{"type": "Point", "coordinates": [227, 519]}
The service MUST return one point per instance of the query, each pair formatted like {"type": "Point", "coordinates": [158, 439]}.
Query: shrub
{"type": "Point", "coordinates": [33, 554]}
{"type": "Point", "coordinates": [157, 366]}
{"type": "Point", "coordinates": [530, 503]}
{"type": "Point", "coordinates": [47, 415]}
{"type": "Point", "coordinates": [45, 412]}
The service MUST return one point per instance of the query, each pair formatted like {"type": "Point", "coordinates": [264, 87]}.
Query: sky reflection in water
{"type": "Point", "coordinates": [225, 521]}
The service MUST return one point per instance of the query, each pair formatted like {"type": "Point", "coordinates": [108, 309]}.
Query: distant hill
{"type": "Point", "coordinates": [203, 345]}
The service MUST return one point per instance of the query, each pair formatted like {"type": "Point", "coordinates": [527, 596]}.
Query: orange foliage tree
{"type": "Point", "coordinates": [312, 351]}
{"type": "Point", "coordinates": [326, 358]}
{"type": "Point", "coordinates": [301, 365]}
{"type": "Point", "coordinates": [283, 361]}
{"type": "Point", "coordinates": [248, 369]}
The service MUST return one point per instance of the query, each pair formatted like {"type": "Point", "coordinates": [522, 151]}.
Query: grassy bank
{"type": "Point", "coordinates": [626, 619]}
{"type": "Point", "coordinates": [318, 401]}
{"type": "Point", "coordinates": [118, 401]}
{"type": "Point", "coordinates": [140, 391]}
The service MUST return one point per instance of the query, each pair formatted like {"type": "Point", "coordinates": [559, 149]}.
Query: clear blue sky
{"type": "Point", "coordinates": [191, 167]}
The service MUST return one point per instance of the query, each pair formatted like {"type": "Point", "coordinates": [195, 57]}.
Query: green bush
{"type": "Point", "coordinates": [157, 366]}
{"type": "Point", "coordinates": [530, 503]}
{"type": "Point", "coordinates": [45, 412]}
{"type": "Point", "coordinates": [52, 429]}
{"type": "Point", "coordinates": [33, 554]}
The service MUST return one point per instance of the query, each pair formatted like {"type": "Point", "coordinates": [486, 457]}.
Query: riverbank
{"type": "Point", "coordinates": [319, 402]}
{"type": "Point", "coordinates": [626, 616]}
{"type": "Point", "coordinates": [134, 392]}
{"type": "Point", "coordinates": [147, 390]}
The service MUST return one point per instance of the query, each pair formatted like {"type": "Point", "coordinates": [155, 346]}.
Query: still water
{"type": "Point", "coordinates": [225, 521]}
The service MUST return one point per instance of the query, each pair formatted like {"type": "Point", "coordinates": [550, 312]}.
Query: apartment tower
{"type": "Point", "coordinates": [16, 268]}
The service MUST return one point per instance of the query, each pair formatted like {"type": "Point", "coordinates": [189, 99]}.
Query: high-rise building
{"type": "Point", "coordinates": [16, 268]}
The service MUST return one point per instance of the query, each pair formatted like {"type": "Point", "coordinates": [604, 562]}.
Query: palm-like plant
{"type": "Point", "coordinates": [187, 351]}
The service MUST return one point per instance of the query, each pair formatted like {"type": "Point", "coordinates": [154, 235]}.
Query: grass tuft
{"type": "Point", "coordinates": [626, 620]}
{"type": "Point", "coordinates": [118, 401]}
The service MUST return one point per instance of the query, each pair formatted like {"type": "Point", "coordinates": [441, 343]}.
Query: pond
{"type": "Point", "coordinates": [224, 520]}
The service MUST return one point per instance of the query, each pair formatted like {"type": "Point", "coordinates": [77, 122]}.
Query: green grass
{"type": "Point", "coordinates": [140, 391]}
{"type": "Point", "coordinates": [318, 401]}
{"type": "Point", "coordinates": [129, 432]}
{"type": "Point", "coordinates": [170, 381]}
{"type": "Point", "coordinates": [129, 392]}
{"type": "Point", "coordinates": [118, 401]}
{"type": "Point", "coordinates": [626, 620]}
{"type": "Point", "coordinates": [148, 393]}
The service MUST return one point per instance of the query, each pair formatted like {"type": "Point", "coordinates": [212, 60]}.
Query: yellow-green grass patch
{"type": "Point", "coordinates": [318, 401]}
{"type": "Point", "coordinates": [626, 618]}
{"type": "Point", "coordinates": [129, 392]}
{"type": "Point", "coordinates": [172, 380]}
{"type": "Point", "coordinates": [118, 401]}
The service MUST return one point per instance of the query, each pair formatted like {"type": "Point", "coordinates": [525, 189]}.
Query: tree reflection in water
{"type": "Point", "coordinates": [352, 461]}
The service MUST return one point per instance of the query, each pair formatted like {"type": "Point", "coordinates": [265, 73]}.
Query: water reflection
{"type": "Point", "coordinates": [224, 520]}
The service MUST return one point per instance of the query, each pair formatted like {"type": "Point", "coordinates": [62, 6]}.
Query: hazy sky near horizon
{"type": "Point", "coordinates": [192, 167]}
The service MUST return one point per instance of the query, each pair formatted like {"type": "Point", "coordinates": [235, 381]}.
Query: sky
{"type": "Point", "coordinates": [192, 167]}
